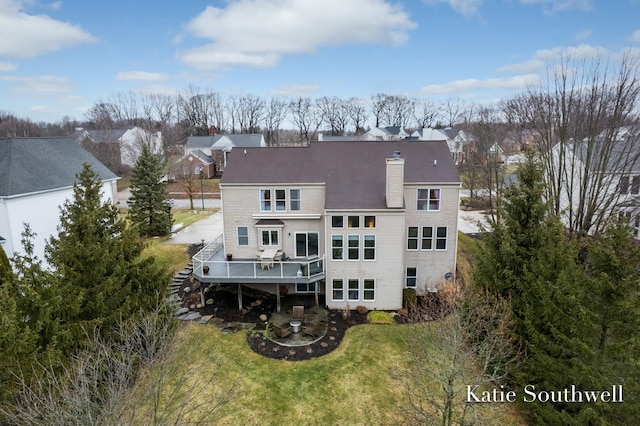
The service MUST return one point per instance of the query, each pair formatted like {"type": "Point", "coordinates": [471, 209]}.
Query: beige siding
{"type": "Point", "coordinates": [386, 269]}
{"type": "Point", "coordinates": [432, 264]}
{"type": "Point", "coordinates": [241, 207]}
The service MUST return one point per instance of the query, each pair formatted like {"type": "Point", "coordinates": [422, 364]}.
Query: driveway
{"type": "Point", "coordinates": [208, 229]}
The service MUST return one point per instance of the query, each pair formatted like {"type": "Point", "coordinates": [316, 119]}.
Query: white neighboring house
{"type": "Point", "coordinates": [36, 177]}
{"type": "Point", "coordinates": [129, 141]}
{"type": "Point", "coordinates": [619, 187]}
{"type": "Point", "coordinates": [456, 140]}
{"type": "Point", "coordinates": [389, 133]}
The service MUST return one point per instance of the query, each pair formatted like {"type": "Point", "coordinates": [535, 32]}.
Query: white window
{"type": "Point", "coordinates": [369, 290]}
{"type": "Point", "coordinates": [353, 221]}
{"type": "Point", "coordinates": [411, 279]}
{"type": "Point", "coordinates": [412, 238]}
{"type": "Point", "coordinates": [337, 221]}
{"type": "Point", "coordinates": [353, 290]}
{"type": "Point", "coordinates": [265, 200]}
{"type": "Point", "coordinates": [427, 238]}
{"type": "Point", "coordinates": [369, 221]}
{"type": "Point", "coordinates": [337, 247]}
{"type": "Point", "coordinates": [337, 290]}
{"type": "Point", "coordinates": [428, 199]}
{"type": "Point", "coordinates": [369, 247]}
{"type": "Point", "coordinates": [270, 237]}
{"type": "Point", "coordinates": [441, 238]}
{"type": "Point", "coordinates": [307, 244]}
{"type": "Point", "coordinates": [294, 199]}
{"type": "Point", "coordinates": [354, 247]}
{"type": "Point", "coordinates": [243, 236]}
{"type": "Point", "coordinates": [281, 200]}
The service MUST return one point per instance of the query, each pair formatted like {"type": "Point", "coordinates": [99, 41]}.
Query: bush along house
{"type": "Point", "coordinates": [352, 222]}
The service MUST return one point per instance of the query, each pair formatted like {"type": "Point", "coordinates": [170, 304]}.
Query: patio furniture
{"type": "Point", "coordinates": [280, 332]}
{"type": "Point", "coordinates": [315, 330]}
{"type": "Point", "coordinates": [297, 313]}
{"type": "Point", "coordinates": [295, 326]}
{"type": "Point", "coordinates": [267, 257]}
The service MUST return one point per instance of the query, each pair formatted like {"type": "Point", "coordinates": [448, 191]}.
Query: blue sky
{"type": "Point", "coordinates": [59, 58]}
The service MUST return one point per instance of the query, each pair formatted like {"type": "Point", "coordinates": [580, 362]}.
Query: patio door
{"type": "Point", "coordinates": [307, 244]}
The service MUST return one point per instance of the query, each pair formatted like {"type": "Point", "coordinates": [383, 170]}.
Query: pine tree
{"type": "Point", "coordinates": [527, 260]}
{"type": "Point", "coordinates": [148, 207]}
{"type": "Point", "coordinates": [98, 256]}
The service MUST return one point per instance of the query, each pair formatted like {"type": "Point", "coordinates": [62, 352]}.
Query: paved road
{"type": "Point", "coordinates": [209, 203]}
{"type": "Point", "coordinates": [208, 229]}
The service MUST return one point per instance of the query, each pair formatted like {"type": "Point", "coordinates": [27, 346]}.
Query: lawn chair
{"type": "Point", "coordinates": [315, 330]}
{"type": "Point", "coordinates": [297, 313]}
{"type": "Point", "coordinates": [280, 332]}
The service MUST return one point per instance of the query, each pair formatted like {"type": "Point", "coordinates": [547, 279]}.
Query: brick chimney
{"type": "Point", "coordinates": [395, 181]}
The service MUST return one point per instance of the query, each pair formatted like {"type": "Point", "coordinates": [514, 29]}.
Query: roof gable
{"type": "Point", "coordinates": [30, 165]}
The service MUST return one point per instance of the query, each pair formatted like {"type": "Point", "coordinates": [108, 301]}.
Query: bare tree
{"type": "Point", "coordinates": [249, 111]}
{"type": "Point", "coordinates": [470, 346]}
{"type": "Point", "coordinates": [185, 172]}
{"type": "Point", "coordinates": [357, 113]}
{"type": "Point", "coordinates": [379, 105]}
{"type": "Point", "coordinates": [335, 113]}
{"type": "Point", "coordinates": [202, 109]}
{"type": "Point", "coordinates": [398, 111]}
{"type": "Point", "coordinates": [275, 113]}
{"type": "Point", "coordinates": [306, 116]}
{"type": "Point", "coordinates": [425, 113]}
{"type": "Point", "coordinates": [451, 111]}
{"type": "Point", "coordinates": [585, 119]}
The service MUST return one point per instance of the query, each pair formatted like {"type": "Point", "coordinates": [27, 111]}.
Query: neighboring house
{"type": "Point", "coordinates": [619, 187]}
{"type": "Point", "coordinates": [355, 221]}
{"type": "Point", "coordinates": [36, 178]}
{"type": "Point", "coordinates": [389, 133]}
{"type": "Point", "coordinates": [122, 145]}
{"type": "Point", "coordinates": [456, 140]}
{"type": "Point", "coordinates": [217, 147]}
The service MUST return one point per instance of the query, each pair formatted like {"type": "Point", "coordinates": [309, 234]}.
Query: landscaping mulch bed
{"type": "Point", "coordinates": [225, 307]}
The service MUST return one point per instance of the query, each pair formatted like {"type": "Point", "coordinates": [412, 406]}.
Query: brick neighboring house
{"type": "Point", "coordinates": [36, 177]}
{"type": "Point", "coordinates": [354, 221]}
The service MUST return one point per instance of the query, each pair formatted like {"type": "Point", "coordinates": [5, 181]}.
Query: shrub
{"type": "Point", "coordinates": [362, 310]}
{"type": "Point", "coordinates": [409, 298]}
{"type": "Point", "coordinates": [379, 317]}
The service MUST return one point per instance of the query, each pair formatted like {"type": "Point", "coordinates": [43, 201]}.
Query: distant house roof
{"type": "Point", "coordinates": [204, 158]}
{"type": "Point", "coordinates": [354, 172]}
{"type": "Point", "coordinates": [97, 136]}
{"type": "Point", "coordinates": [221, 141]}
{"type": "Point", "coordinates": [30, 165]}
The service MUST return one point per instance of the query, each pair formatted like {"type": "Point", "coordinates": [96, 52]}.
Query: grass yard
{"type": "Point", "coordinates": [170, 257]}
{"type": "Point", "coordinates": [353, 385]}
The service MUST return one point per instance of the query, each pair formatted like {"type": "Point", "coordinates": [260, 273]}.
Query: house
{"type": "Point", "coordinates": [388, 133]}
{"type": "Point", "coordinates": [356, 222]}
{"type": "Point", "coordinates": [612, 161]}
{"type": "Point", "coordinates": [216, 147]}
{"type": "Point", "coordinates": [456, 140]}
{"type": "Point", "coordinates": [36, 177]}
{"type": "Point", "coordinates": [120, 146]}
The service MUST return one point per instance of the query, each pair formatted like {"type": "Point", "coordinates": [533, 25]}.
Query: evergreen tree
{"type": "Point", "coordinates": [527, 260]}
{"type": "Point", "coordinates": [98, 256]}
{"type": "Point", "coordinates": [148, 207]}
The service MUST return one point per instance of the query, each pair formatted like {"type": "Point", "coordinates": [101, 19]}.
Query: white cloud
{"type": "Point", "coordinates": [40, 84]}
{"type": "Point", "coordinates": [523, 67]}
{"type": "Point", "coordinates": [295, 90]}
{"type": "Point", "coordinates": [635, 37]}
{"type": "Point", "coordinates": [551, 6]}
{"type": "Point", "coordinates": [26, 36]}
{"type": "Point", "coordinates": [141, 76]}
{"type": "Point", "coordinates": [7, 66]}
{"type": "Point", "coordinates": [463, 7]}
{"type": "Point", "coordinates": [459, 86]}
{"type": "Point", "coordinates": [258, 33]}
{"type": "Point", "coordinates": [582, 35]}
{"type": "Point", "coordinates": [545, 56]}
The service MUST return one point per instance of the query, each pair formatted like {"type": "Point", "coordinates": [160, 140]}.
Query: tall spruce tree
{"type": "Point", "coordinates": [527, 259]}
{"type": "Point", "coordinates": [99, 257]}
{"type": "Point", "coordinates": [148, 207]}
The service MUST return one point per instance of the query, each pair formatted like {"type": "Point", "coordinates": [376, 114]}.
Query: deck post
{"type": "Point", "coordinates": [278, 298]}
{"type": "Point", "coordinates": [315, 293]}
{"type": "Point", "coordinates": [239, 297]}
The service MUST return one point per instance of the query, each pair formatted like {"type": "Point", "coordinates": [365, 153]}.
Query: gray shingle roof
{"type": "Point", "coordinates": [40, 164]}
{"type": "Point", "coordinates": [239, 140]}
{"type": "Point", "coordinates": [354, 172]}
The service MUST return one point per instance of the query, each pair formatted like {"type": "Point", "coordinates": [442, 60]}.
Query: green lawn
{"type": "Point", "coordinates": [353, 385]}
